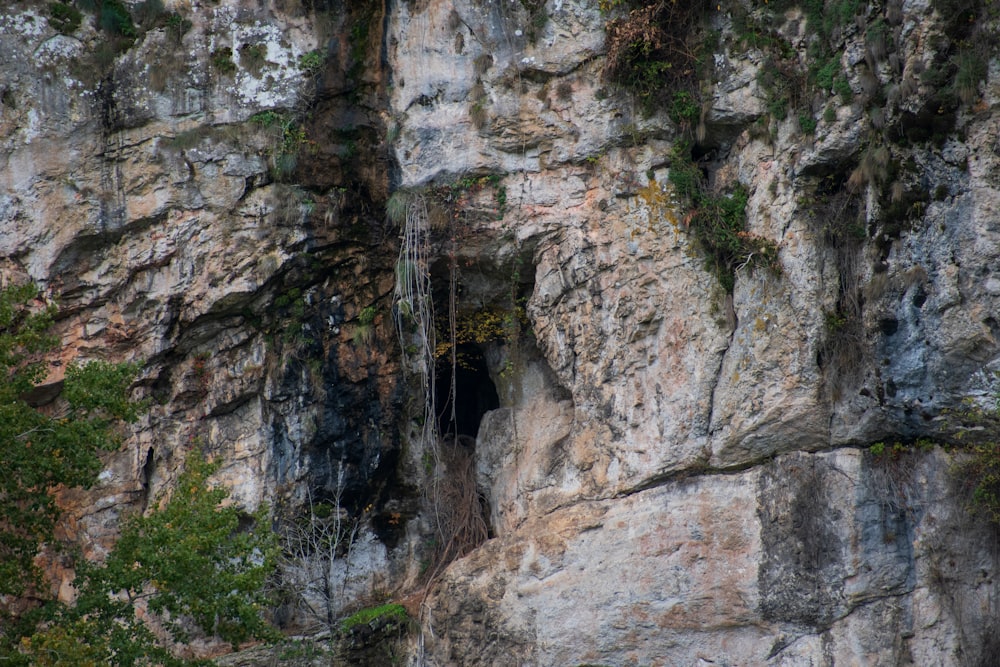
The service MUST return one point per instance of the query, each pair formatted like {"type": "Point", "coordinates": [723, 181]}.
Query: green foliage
{"type": "Point", "coordinates": [268, 118]}
{"type": "Point", "coordinates": [878, 37]}
{"type": "Point", "coordinates": [303, 649]}
{"type": "Point", "coordinates": [177, 26]}
{"type": "Point", "coordinates": [40, 450]}
{"type": "Point", "coordinates": [64, 18]}
{"type": "Point", "coordinates": [222, 60]}
{"type": "Point", "coordinates": [190, 563]}
{"type": "Point", "coordinates": [115, 19]}
{"type": "Point", "coordinates": [291, 307]}
{"type": "Point", "coordinates": [881, 450]}
{"type": "Point", "coordinates": [971, 66]}
{"type": "Point", "coordinates": [396, 206]}
{"type": "Point", "coordinates": [289, 140]}
{"type": "Point", "coordinates": [74, 641]}
{"type": "Point", "coordinates": [807, 123]}
{"type": "Point", "coordinates": [253, 57]}
{"type": "Point", "coordinates": [312, 61]}
{"type": "Point", "coordinates": [983, 472]}
{"type": "Point", "coordinates": [367, 315]}
{"type": "Point", "coordinates": [828, 18]}
{"type": "Point", "coordinates": [478, 114]}
{"type": "Point", "coordinates": [842, 87]}
{"type": "Point", "coordinates": [718, 222]}
{"type": "Point", "coordinates": [455, 197]}
{"type": "Point", "coordinates": [824, 75]}
{"type": "Point", "coordinates": [978, 471]}
{"type": "Point", "coordinates": [684, 108]}
{"type": "Point", "coordinates": [387, 612]}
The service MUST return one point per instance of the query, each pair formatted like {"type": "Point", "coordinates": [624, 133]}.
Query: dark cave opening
{"type": "Point", "coordinates": [475, 393]}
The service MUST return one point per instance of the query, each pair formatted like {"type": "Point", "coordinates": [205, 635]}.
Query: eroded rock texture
{"type": "Point", "coordinates": [672, 473]}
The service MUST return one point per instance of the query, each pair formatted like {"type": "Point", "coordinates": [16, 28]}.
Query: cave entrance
{"type": "Point", "coordinates": [475, 393]}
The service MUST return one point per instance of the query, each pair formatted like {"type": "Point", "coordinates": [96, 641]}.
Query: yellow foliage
{"type": "Point", "coordinates": [65, 647]}
{"type": "Point", "coordinates": [483, 326]}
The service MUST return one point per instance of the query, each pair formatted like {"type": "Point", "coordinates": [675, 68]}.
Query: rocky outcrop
{"type": "Point", "coordinates": [765, 566]}
{"type": "Point", "coordinates": [674, 470]}
{"type": "Point", "coordinates": [170, 196]}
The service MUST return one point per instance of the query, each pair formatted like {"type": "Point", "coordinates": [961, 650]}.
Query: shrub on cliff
{"type": "Point", "coordinates": [653, 50]}
{"type": "Point", "coordinates": [978, 470]}
{"type": "Point", "coordinates": [718, 222]}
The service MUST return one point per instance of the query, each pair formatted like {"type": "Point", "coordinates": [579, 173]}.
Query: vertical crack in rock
{"type": "Point", "coordinates": [732, 320]}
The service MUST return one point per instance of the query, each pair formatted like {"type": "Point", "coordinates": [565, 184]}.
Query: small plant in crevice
{"type": "Point", "coordinates": [64, 18]}
{"type": "Point", "coordinates": [976, 442]}
{"type": "Point", "coordinates": [971, 65]}
{"type": "Point", "coordinates": [177, 26]}
{"type": "Point", "coordinates": [396, 206]}
{"type": "Point", "coordinates": [253, 57]}
{"type": "Point", "coordinates": [807, 123]}
{"type": "Point", "coordinates": [312, 61]}
{"type": "Point", "coordinates": [538, 17]}
{"type": "Point", "coordinates": [878, 39]}
{"type": "Point", "coordinates": [116, 20]}
{"type": "Point", "coordinates": [981, 473]}
{"type": "Point", "coordinates": [842, 87]}
{"type": "Point", "coordinates": [718, 223]}
{"type": "Point", "coordinates": [837, 212]}
{"type": "Point", "coordinates": [482, 63]}
{"type": "Point", "coordinates": [288, 140]}
{"type": "Point", "coordinates": [364, 330]}
{"type": "Point", "coordinates": [222, 60]}
{"type": "Point", "coordinates": [897, 448]}
{"type": "Point", "coordinates": [684, 109]}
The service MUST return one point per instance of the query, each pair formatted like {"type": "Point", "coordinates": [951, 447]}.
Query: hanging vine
{"type": "Point", "coordinates": [435, 221]}
{"type": "Point", "coordinates": [414, 305]}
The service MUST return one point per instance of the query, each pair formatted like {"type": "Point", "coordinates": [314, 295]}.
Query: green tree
{"type": "Point", "coordinates": [43, 450]}
{"type": "Point", "coordinates": [188, 565]}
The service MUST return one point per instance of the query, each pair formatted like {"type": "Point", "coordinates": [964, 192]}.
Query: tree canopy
{"type": "Point", "coordinates": [42, 450]}
{"type": "Point", "coordinates": [190, 567]}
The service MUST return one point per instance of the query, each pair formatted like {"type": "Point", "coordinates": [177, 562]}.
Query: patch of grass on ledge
{"type": "Point", "coordinates": [389, 612]}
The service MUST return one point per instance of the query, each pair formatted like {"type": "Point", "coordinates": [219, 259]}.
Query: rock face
{"type": "Point", "coordinates": [672, 472]}
{"type": "Point", "coordinates": [764, 566]}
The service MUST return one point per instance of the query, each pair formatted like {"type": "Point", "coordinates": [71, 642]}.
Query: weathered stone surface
{"type": "Point", "coordinates": [768, 566]}
{"type": "Point", "coordinates": [671, 476]}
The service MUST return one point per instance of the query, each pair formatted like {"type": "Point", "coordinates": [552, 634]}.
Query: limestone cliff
{"type": "Point", "coordinates": [672, 455]}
